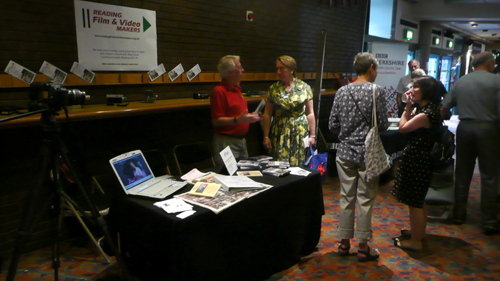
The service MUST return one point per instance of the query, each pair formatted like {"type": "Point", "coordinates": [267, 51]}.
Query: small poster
{"type": "Point", "coordinates": [156, 72]}
{"type": "Point", "coordinates": [20, 72]}
{"type": "Point", "coordinates": [53, 72]}
{"type": "Point", "coordinates": [229, 160]}
{"type": "Point", "coordinates": [82, 72]}
{"type": "Point", "coordinates": [193, 72]}
{"type": "Point", "coordinates": [176, 72]}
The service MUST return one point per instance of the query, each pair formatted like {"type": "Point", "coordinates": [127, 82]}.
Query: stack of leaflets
{"type": "Point", "coordinates": [248, 163]}
{"type": "Point", "coordinates": [280, 164]}
{"type": "Point", "coordinates": [236, 183]}
{"type": "Point", "coordinates": [261, 158]}
{"type": "Point", "coordinates": [277, 172]}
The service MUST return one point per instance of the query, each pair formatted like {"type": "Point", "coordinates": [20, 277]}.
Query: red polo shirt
{"type": "Point", "coordinates": [227, 101]}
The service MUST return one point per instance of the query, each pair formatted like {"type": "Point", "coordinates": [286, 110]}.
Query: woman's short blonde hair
{"type": "Point", "coordinates": [288, 61]}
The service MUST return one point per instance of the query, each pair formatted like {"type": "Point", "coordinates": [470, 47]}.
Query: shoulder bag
{"type": "Point", "coordinates": [376, 160]}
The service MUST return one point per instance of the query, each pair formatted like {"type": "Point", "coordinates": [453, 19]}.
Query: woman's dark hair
{"type": "Point", "coordinates": [127, 169]}
{"type": "Point", "coordinates": [363, 61]}
{"type": "Point", "coordinates": [428, 87]}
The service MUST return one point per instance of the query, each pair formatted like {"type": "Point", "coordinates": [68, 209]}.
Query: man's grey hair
{"type": "Point", "coordinates": [482, 58]}
{"type": "Point", "coordinates": [226, 64]}
{"type": "Point", "coordinates": [413, 61]}
{"type": "Point", "coordinates": [418, 73]}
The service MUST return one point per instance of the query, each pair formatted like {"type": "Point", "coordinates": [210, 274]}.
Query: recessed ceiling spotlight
{"type": "Point", "coordinates": [474, 25]}
{"type": "Point", "coordinates": [485, 30]}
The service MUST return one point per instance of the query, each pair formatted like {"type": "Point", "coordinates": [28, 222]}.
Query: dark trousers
{"type": "Point", "coordinates": [401, 109]}
{"type": "Point", "coordinates": [479, 140]}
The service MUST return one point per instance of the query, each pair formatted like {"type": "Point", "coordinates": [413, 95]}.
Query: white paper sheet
{"type": "Point", "coordinates": [229, 160]}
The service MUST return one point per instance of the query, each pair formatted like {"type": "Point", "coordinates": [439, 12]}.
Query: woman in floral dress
{"type": "Point", "coordinates": [290, 103]}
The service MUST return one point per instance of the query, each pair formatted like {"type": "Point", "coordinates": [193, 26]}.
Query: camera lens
{"type": "Point", "coordinates": [76, 97]}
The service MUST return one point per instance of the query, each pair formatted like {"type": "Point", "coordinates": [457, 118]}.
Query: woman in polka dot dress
{"type": "Point", "coordinates": [414, 172]}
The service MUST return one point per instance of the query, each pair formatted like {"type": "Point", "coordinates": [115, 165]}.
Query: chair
{"type": "Point", "coordinates": [97, 196]}
{"type": "Point", "coordinates": [193, 155]}
{"type": "Point", "coordinates": [94, 192]}
{"type": "Point", "coordinates": [157, 162]}
{"type": "Point", "coordinates": [441, 190]}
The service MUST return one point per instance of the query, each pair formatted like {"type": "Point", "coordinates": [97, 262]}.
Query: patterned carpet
{"type": "Point", "coordinates": [451, 252]}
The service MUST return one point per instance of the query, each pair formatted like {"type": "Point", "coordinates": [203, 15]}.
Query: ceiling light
{"type": "Point", "coordinates": [474, 25]}
{"type": "Point", "coordinates": [494, 34]}
{"type": "Point", "coordinates": [485, 30]}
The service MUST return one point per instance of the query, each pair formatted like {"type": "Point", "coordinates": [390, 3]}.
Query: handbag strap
{"type": "Point", "coordinates": [355, 103]}
{"type": "Point", "coordinates": [374, 111]}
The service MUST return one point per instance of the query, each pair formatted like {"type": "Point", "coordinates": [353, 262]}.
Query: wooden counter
{"type": "Point", "coordinates": [102, 111]}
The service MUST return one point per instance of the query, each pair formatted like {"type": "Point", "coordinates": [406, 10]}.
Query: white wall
{"type": "Point", "coordinates": [404, 11]}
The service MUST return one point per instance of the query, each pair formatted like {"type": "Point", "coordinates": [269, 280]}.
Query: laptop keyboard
{"type": "Point", "coordinates": [163, 191]}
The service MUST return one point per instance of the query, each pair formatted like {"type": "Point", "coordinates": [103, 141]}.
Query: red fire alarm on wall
{"type": "Point", "coordinates": [249, 15]}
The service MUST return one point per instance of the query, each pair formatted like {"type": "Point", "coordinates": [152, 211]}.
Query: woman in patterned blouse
{"type": "Point", "coordinates": [290, 103]}
{"type": "Point", "coordinates": [352, 112]}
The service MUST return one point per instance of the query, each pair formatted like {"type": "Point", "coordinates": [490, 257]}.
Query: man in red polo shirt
{"type": "Point", "coordinates": [229, 108]}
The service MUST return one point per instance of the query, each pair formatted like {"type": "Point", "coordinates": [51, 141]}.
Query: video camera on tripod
{"type": "Point", "coordinates": [45, 95]}
{"type": "Point", "coordinates": [47, 99]}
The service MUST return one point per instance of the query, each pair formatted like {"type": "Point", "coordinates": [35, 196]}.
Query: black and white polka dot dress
{"type": "Point", "coordinates": [414, 172]}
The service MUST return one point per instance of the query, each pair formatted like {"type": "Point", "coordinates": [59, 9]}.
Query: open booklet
{"type": "Point", "coordinates": [236, 183]}
{"type": "Point", "coordinates": [222, 200]}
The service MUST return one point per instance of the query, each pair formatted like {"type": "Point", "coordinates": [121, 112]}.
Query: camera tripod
{"type": "Point", "coordinates": [52, 149]}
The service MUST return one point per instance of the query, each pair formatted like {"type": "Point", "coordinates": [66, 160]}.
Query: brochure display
{"type": "Point", "coordinates": [277, 172]}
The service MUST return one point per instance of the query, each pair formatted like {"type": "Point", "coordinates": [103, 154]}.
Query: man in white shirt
{"type": "Point", "coordinates": [403, 82]}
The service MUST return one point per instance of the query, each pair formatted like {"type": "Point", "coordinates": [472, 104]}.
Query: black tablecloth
{"type": "Point", "coordinates": [251, 240]}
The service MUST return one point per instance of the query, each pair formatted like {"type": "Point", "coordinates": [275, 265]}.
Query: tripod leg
{"type": "Point", "coordinates": [95, 214]}
{"type": "Point", "coordinates": [56, 221]}
{"type": "Point", "coordinates": [29, 221]}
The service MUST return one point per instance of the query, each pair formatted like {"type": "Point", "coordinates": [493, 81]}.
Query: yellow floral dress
{"type": "Point", "coordinates": [289, 126]}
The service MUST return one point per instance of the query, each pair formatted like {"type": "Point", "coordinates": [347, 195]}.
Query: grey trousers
{"type": "Point", "coordinates": [238, 148]}
{"type": "Point", "coordinates": [479, 140]}
{"type": "Point", "coordinates": [354, 188]}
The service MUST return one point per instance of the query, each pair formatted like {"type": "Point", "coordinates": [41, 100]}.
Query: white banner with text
{"type": "Point", "coordinates": [115, 38]}
{"type": "Point", "coordinates": [391, 67]}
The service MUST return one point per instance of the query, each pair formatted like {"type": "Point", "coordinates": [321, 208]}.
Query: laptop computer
{"type": "Point", "coordinates": [136, 178]}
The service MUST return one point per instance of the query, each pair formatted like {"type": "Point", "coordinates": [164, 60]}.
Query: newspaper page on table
{"type": "Point", "coordinates": [222, 200]}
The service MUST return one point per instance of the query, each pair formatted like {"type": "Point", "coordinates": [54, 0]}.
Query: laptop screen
{"type": "Point", "coordinates": [132, 171]}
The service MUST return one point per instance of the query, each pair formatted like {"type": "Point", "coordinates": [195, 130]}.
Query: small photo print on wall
{"type": "Point", "coordinates": [20, 72]}
{"type": "Point", "coordinates": [82, 72]}
{"type": "Point", "coordinates": [54, 73]}
{"type": "Point", "coordinates": [193, 72]}
{"type": "Point", "coordinates": [156, 72]}
{"type": "Point", "coordinates": [176, 72]}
